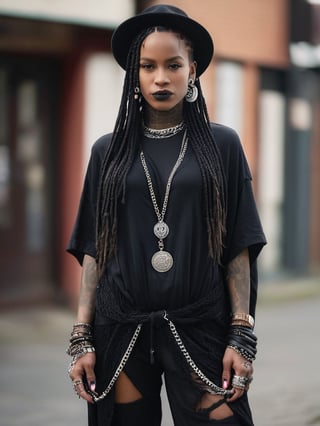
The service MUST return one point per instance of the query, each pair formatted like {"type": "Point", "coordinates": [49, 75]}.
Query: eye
{"type": "Point", "coordinates": [146, 66]}
{"type": "Point", "coordinates": [174, 66]}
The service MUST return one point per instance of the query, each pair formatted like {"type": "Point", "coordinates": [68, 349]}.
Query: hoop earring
{"type": "Point", "coordinates": [137, 97]}
{"type": "Point", "coordinates": [136, 93]}
{"type": "Point", "coordinates": [192, 92]}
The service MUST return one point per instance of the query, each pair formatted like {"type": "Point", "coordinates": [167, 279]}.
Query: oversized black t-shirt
{"type": "Point", "coordinates": [194, 273]}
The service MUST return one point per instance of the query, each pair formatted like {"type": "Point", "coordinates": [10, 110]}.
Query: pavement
{"type": "Point", "coordinates": [35, 389]}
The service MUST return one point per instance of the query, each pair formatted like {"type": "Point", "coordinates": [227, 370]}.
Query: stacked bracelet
{"type": "Point", "coordinates": [243, 341]}
{"type": "Point", "coordinates": [81, 342]}
{"type": "Point", "coordinates": [241, 318]}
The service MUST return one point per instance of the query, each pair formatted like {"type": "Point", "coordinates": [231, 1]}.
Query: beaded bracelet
{"type": "Point", "coordinates": [243, 353]}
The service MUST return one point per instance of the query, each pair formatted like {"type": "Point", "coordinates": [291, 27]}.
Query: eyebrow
{"type": "Point", "coordinates": [174, 58]}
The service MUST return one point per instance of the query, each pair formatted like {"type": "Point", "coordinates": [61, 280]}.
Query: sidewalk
{"type": "Point", "coordinates": [34, 387]}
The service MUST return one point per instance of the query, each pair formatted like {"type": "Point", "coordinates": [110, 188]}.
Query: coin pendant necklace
{"type": "Point", "coordinates": [162, 260]}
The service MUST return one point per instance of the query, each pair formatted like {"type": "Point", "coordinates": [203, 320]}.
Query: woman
{"type": "Point", "coordinates": [167, 234]}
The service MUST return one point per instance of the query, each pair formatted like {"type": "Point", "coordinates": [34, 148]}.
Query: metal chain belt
{"type": "Point", "coordinates": [120, 367]}
{"type": "Point", "coordinates": [213, 388]}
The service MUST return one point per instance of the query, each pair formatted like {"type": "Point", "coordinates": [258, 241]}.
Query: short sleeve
{"type": "Point", "coordinates": [243, 226]}
{"type": "Point", "coordinates": [83, 237]}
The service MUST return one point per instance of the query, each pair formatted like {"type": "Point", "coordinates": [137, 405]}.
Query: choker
{"type": "Point", "coordinates": [162, 133]}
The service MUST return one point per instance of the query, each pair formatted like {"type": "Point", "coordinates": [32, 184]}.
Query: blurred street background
{"type": "Point", "coordinates": [60, 90]}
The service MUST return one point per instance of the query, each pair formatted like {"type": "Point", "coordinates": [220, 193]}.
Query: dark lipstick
{"type": "Point", "coordinates": [162, 95]}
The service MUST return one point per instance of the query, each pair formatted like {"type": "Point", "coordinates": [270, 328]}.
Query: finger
{"type": "Point", "coordinates": [237, 393]}
{"type": "Point", "coordinates": [91, 378]}
{"type": "Point", "coordinates": [240, 384]}
{"type": "Point", "coordinates": [226, 373]}
{"type": "Point", "coordinates": [244, 370]}
{"type": "Point", "coordinates": [83, 394]}
{"type": "Point", "coordinates": [76, 372]}
{"type": "Point", "coordinates": [80, 390]}
{"type": "Point", "coordinates": [248, 384]}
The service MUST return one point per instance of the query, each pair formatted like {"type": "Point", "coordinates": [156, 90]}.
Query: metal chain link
{"type": "Point", "coordinates": [183, 149]}
{"type": "Point", "coordinates": [213, 387]}
{"type": "Point", "coordinates": [120, 367]}
{"type": "Point", "coordinates": [162, 133]}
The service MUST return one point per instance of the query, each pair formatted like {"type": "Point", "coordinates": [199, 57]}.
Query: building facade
{"type": "Point", "coordinates": [59, 91]}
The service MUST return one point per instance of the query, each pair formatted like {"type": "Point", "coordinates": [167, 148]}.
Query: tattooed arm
{"type": "Point", "coordinates": [83, 369]}
{"type": "Point", "coordinates": [238, 279]}
{"type": "Point", "coordinates": [88, 286]}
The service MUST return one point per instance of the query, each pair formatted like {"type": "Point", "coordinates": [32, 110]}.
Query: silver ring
{"type": "Point", "coordinates": [75, 384]}
{"type": "Point", "coordinates": [239, 381]}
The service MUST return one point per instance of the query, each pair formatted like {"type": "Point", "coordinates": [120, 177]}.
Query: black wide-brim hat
{"type": "Point", "coordinates": [169, 17]}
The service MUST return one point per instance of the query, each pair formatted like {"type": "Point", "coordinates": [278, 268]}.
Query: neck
{"type": "Point", "coordinates": [162, 119]}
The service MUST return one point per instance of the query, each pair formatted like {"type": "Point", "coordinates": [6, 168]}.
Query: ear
{"type": "Point", "coordinates": [193, 70]}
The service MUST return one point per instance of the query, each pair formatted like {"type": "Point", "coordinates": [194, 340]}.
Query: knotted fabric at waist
{"type": "Point", "coordinates": [116, 310]}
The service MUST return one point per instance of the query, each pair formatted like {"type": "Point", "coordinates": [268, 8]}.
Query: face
{"type": "Point", "coordinates": [165, 69]}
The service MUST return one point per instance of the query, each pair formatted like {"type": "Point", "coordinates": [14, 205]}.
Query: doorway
{"type": "Point", "coordinates": [29, 91]}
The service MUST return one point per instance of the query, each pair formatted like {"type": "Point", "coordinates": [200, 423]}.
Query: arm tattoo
{"type": "Point", "coordinates": [238, 278]}
{"type": "Point", "coordinates": [88, 286]}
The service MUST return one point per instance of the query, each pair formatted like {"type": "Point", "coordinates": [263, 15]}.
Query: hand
{"type": "Point", "coordinates": [83, 374]}
{"type": "Point", "coordinates": [235, 364]}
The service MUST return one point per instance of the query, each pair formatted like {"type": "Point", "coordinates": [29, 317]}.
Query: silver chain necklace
{"type": "Point", "coordinates": [162, 133]}
{"type": "Point", "coordinates": [162, 260]}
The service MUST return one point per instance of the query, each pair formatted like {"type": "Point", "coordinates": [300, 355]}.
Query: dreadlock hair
{"type": "Point", "coordinates": [124, 146]}
{"type": "Point", "coordinates": [202, 140]}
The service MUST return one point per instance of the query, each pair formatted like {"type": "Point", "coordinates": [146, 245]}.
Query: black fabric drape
{"type": "Point", "coordinates": [131, 289]}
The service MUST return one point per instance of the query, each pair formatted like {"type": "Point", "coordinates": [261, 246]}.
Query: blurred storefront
{"type": "Point", "coordinates": [302, 166]}
{"type": "Point", "coordinates": [59, 91]}
{"type": "Point", "coordinates": [59, 88]}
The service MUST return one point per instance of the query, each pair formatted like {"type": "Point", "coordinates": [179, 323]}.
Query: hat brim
{"type": "Point", "coordinates": [124, 35]}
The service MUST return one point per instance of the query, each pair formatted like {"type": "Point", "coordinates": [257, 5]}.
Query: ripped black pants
{"type": "Point", "coordinates": [189, 406]}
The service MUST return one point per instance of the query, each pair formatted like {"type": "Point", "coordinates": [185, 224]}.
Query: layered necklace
{"type": "Point", "coordinates": [162, 260]}
{"type": "Point", "coordinates": [162, 133]}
